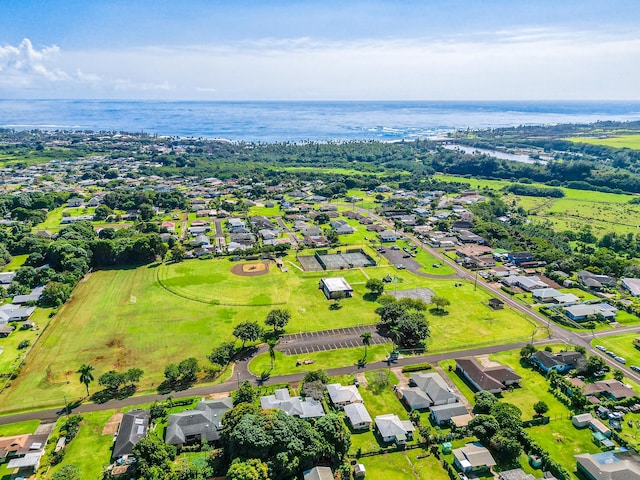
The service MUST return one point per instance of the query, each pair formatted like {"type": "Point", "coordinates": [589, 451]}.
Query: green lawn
{"type": "Point", "coordinates": [286, 364]}
{"type": "Point", "coordinates": [11, 356]}
{"type": "Point", "coordinates": [19, 428]}
{"type": "Point", "coordinates": [16, 262]}
{"type": "Point", "coordinates": [265, 211]}
{"type": "Point", "coordinates": [430, 264]}
{"type": "Point", "coordinates": [90, 451]}
{"type": "Point", "coordinates": [404, 466]}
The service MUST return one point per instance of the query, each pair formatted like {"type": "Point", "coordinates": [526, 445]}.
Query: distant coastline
{"type": "Point", "coordinates": [295, 121]}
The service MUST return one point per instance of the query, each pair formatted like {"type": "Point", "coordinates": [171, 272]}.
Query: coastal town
{"type": "Point", "coordinates": [160, 319]}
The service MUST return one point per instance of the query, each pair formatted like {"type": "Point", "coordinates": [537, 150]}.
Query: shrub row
{"type": "Point", "coordinates": [417, 367]}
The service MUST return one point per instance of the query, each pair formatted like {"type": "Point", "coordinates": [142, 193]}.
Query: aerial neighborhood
{"type": "Point", "coordinates": [178, 308]}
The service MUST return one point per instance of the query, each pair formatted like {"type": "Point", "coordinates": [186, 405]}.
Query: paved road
{"type": "Point", "coordinates": [241, 373]}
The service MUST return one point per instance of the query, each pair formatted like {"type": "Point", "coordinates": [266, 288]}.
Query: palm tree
{"type": "Point", "coordinates": [86, 377]}
{"type": "Point", "coordinates": [272, 352]}
{"type": "Point", "coordinates": [366, 341]}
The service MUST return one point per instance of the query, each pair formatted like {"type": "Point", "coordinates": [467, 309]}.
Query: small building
{"type": "Point", "coordinates": [392, 429]}
{"type": "Point", "coordinates": [582, 420]}
{"type": "Point", "coordinates": [358, 416]}
{"type": "Point", "coordinates": [581, 312]}
{"type": "Point", "coordinates": [561, 362]}
{"type": "Point", "coordinates": [415, 399]}
{"type": "Point", "coordinates": [435, 387]}
{"type": "Point", "coordinates": [473, 457]}
{"type": "Point", "coordinates": [359, 471]}
{"type": "Point", "coordinates": [599, 427]}
{"type": "Point", "coordinates": [520, 257]}
{"type": "Point", "coordinates": [545, 295]}
{"type": "Point", "coordinates": [7, 277]}
{"type": "Point", "coordinates": [133, 428]}
{"type": "Point", "coordinates": [342, 395]}
{"type": "Point", "coordinates": [388, 236]}
{"type": "Point", "coordinates": [75, 202]}
{"type": "Point", "coordinates": [491, 379]}
{"type": "Point", "coordinates": [496, 303]}
{"type": "Point", "coordinates": [331, 286]}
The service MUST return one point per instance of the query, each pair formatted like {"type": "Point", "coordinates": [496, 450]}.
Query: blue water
{"type": "Point", "coordinates": [299, 121]}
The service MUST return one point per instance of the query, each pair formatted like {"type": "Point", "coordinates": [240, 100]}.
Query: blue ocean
{"type": "Point", "coordinates": [300, 121]}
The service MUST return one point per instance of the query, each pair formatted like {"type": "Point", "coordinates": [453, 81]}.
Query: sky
{"type": "Point", "coordinates": [320, 50]}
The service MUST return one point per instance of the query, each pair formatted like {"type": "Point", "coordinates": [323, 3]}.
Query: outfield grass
{"type": "Point", "coordinates": [286, 364]}
{"type": "Point", "coordinates": [621, 141]}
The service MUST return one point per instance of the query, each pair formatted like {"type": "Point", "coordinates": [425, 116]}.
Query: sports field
{"type": "Point", "coordinates": [118, 319]}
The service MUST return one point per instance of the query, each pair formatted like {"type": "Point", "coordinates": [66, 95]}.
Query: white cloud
{"type": "Point", "coordinates": [534, 63]}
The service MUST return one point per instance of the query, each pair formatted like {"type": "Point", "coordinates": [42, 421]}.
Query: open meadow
{"type": "Point", "coordinates": [620, 141]}
{"type": "Point", "coordinates": [150, 316]}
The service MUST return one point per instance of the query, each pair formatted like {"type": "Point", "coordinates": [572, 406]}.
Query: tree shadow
{"type": "Point", "coordinates": [105, 395]}
{"type": "Point", "coordinates": [167, 387]}
{"type": "Point", "coordinates": [437, 312]}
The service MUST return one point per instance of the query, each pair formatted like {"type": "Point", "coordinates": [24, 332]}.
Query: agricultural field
{"type": "Point", "coordinates": [621, 141]}
{"type": "Point", "coordinates": [603, 211]}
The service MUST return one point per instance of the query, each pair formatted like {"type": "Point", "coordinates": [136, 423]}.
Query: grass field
{"type": "Point", "coordinates": [622, 141]}
{"type": "Point", "coordinates": [404, 466]}
{"type": "Point", "coordinates": [286, 364]}
{"type": "Point", "coordinates": [622, 345]}
{"type": "Point", "coordinates": [118, 319]}
{"type": "Point", "coordinates": [19, 428]}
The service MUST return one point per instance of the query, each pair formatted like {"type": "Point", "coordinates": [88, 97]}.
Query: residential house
{"type": "Point", "coordinates": [7, 277]}
{"type": "Point", "coordinates": [312, 231]}
{"type": "Point", "coordinates": [444, 414]}
{"type": "Point", "coordinates": [517, 474]}
{"type": "Point", "coordinates": [318, 473]}
{"type": "Point", "coordinates": [560, 362]}
{"type": "Point", "coordinates": [392, 429]}
{"type": "Point", "coordinates": [200, 424]}
{"type": "Point", "coordinates": [632, 285]}
{"type": "Point", "coordinates": [622, 464]}
{"type": "Point", "coordinates": [236, 225]}
{"type": "Point", "coordinates": [612, 389]}
{"type": "Point", "coordinates": [342, 395]}
{"type": "Point", "coordinates": [295, 406]}
{"type": "Point", "coordinates": [133, 428]}
{"type": "Point", "coordinates": [75, 202]}
{"type": "Point", "coordinates": [545, 295]}
{"type": "Point", "coordinates": [358, 416]}
{"type": "Point", "coordinates": [415, 399]}
{"type": "Point", "coordinates": [583, 311]}
{"type": "Point", "coordinates": [6, 330]}
{"type": "Point", "coordinates": [518, 258]}
{"type": "Point", "coordinates": [14, 313]}
{"type": "Point", "coordinates": [595, 281]}
{"type": "Point", "coordinates": [23, 452]}
{"type": "Point", "coordinates": [331, 286]}
{"type": "Point", "coordinates": [34, 296]}
{"type": "Point", "coordinates": [316, 241]}
{"type": "Point", "coordinates": [582, 420]}
{"type": "Point", "coordinates": [435, 387]}
{"type": "Point", "coordinates": [492, 379]}
{"type": "Point", "coordinates": [200, 240]}
{"type": "Point", "coordinates": [473, 457]}
{"type": "Point", "coordinates": [388, 236]}
{"type": "Point", "coordinates": [526, 283]}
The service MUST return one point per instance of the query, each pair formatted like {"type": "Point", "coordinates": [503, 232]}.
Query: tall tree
{"type": "Point", "coordinates": [272, 351]}
{"type": "Point", "coordinates": [86, 377]}
{"type": "Point", "coordinates": [366, 341]}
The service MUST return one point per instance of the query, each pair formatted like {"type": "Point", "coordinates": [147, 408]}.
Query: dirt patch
{"type": "Point", "coordinates": [111, 427]}
{"type": "Point", "coordinates": [115, 343]}
{"type": "Point", "coordinates": [216, 396]}
{"type": "Point", "coordinates": [251, 269]}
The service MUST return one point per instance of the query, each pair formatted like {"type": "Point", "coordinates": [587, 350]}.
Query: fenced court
{"type": "Point", "coordinates": [355, 258]}
{"type": "Point", "coordinates": [423, 294]}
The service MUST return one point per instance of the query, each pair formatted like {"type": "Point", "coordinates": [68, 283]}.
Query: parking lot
{"type": "Point", "coordinates": [309, 342]}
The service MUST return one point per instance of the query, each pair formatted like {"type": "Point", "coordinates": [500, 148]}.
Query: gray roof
{"type": "Point", "coordinates": [416, 399]}
{"type": "Point", "coordinates": [447, 411]}
{"type": "Point", "coordinates": [34, 296]}
{"type": "Point", "coordinates": [474, 455]}
{"type": "Point", "coordinates": [133, 428]}
{"type": "Point", "coordinates": [357, 413]}
{"type": "Point", "coordinates": [294, 406]}
{"type": "Point", "coordinates": [620, 465]}
{"type": "Point", "coordinates": [319, 473]}
{"type": "Point", "coordinates": [344, 394]}
{"type": "Point", "coordinates": [204, 420]}
{"type": "Point", "coordinates": [434, 386]}
{"type": "Point", "coordinates": [390, 425]}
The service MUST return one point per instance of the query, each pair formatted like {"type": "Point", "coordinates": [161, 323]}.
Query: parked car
{"type": "Point", "coordinates": [635, 368]}
{"type": "Point", "coordinates": [610, 353]}
{"type": "Point", "coordinates": [406, 255]}
{"type": "Point", "coordinates": [395, 247]}
{"type": "Point", "coordinates": [620, 359]}
{"type": "Point", "coordinates": [400, 266]}
{"type": "Point", "coordinates": [601, 348]}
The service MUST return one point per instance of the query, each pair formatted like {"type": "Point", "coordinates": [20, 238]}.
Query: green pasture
{"type": "Point", "coordinates": [286, 364]}
{"type": "Point", "coordinates": [621, 141]}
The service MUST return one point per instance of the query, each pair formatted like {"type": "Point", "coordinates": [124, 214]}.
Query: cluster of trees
{"type": "Point", "coordinates": [286, 445]}
{"type": "Point", "coordinates": [115, 384]}
{"type": "Point", "coordinates": [404, 320]}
